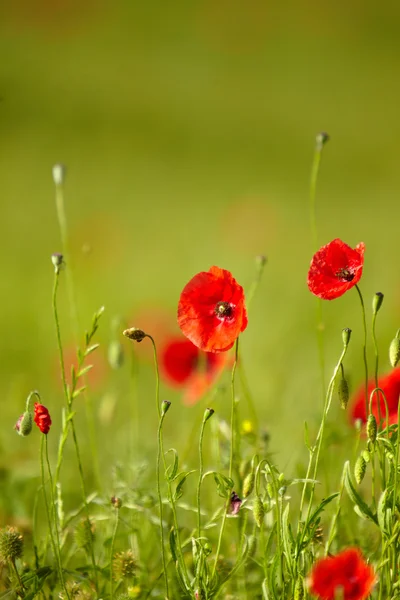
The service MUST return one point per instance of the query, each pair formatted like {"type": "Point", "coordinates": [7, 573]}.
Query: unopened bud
{"type": "Point", "coordinates": [248, 484]}
{"type": "Point", "coordinates": [207, 414]}
{"type": "Point", "coordinates": [133, 333]}
{"type": "Point", "coordinates": [321, 139]}
{"type": "Point", "coordinates": [116, 355]}
{"type": "Point", "coordinates": [360, 469]}
{"type": "Point", "coordinates": [258, 511]}
{"type": "Point", "coordinates": [165, 404]}
{"type": "Point", "coordinates": [261, 260]}
{"type": "Point", "coordinates": [24, 424]}
{"type": "Point", "coordinates": [377, 302]}
{"type": "Point", "coordinates": [59, 172]}
{"type": "Point", "coordinates": [343, 393]}
{"type": "Point", "coordinates": [371, 428]}
{"type": "Point", "coordinates": [394, 350]}
{"type": "Point", "coordinates": [346, 335]}
{"type": "Point", "coordinates": [58, 261]}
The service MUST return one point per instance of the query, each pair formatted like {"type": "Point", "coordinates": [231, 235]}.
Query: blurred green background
{"type": "Point", "coordinates": [188, 131]}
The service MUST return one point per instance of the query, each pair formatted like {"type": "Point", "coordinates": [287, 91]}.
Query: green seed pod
{"type": "Point", "coordinates": [394, 350]}
{"type": "Point", "coordinates": [299, 589]}
{"type": "Point", "coordinates": [371, 428]}
{"type": "Point", "coordinates": [11, 544]}
{"type": "Point", "coordinates": [343, 393]}
{"type": "Point", "coordinates": [360, 468]}
{"type": "Point", "coordinates": [116, 355]}
{"type": "Point", "coordinates": [124, 565]}
{"type": "Point", "coordinates": [248, 484]}
{"type": "Point", "coordinates": [258, 511]}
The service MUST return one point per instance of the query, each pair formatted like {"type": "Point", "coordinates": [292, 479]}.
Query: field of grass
{"type": "Point", "coordinates": [188, 131]}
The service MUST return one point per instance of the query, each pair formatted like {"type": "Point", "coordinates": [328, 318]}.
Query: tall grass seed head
{"type": "Point", "coordinates": [84, 534]}
{"type": "Point", "coordinates": [343, 393]}
{"type": "Point", "coordinates": [258, 511]}
{"type": "Point", "coordinates": [299, 589]}
{"type": "Point", "coordinates": [248, 484]}
{"type": "Point", "coordinates": [11, 544]}
{"type": "Point", "coordinates": [371, 428]}
{"type": "Point", "coordinates": [360, 468]}
{"type": "Point", "coordinates": [124, 565]}
{"type": "Point", "coordinates": [394, 350]}
{"type": "Point", "coordinates": [24, 424]}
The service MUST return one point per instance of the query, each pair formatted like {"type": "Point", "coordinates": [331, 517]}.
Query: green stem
{"type": "Point", "coordinates": [228, 499]}
{"type": "Point", "coordinates": [396, 464]}
{"type": "Point", "coordinates": [17, 574]}
{"type": "Point", "coordinates": [365, 347]}
{"type": "Point", "coordinates": [200, 477]}
{"type": "Point", "coordinates": [112, 553]}
{"type": "Point", "coordinates": [160, 503]}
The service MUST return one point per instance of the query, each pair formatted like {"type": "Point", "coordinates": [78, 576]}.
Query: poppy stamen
{"type": "Point", "coordinates": [224, 310]}
{"type": "Point", "coordinates": [345, 275]}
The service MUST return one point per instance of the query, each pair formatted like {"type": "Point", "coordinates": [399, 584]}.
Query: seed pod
{"type": "Point", "coordinates": [371, 428]}
{"type": "Point", "coordinates": [343, 393]}
{"type": "Point", "coordinates": [11, 544]}
{"type": "Point", "coordinates": [394, 350]}
{"type": "Point", "coordinates": [248, 484]}
{"type": "Point", "coordinates": [258, 510]}
{"type": "Point", "coordinates": [360, 468]}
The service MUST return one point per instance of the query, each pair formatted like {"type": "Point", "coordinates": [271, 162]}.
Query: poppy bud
{"type": "Point", "coordinates": [346, 335]}
{"type": "Point", "coordinates": [371, 428]}
{"type": "Point", "coordinates": [207, 414]}
{"type": "Point", "coordinates": [258, 511]}
{"type": "Point", "coordinates": [42, 418]}
{"type": "Point", "coordinates": [394, 350]}
{"type": "Point", "coordinates": [248, 484]}
{"type": "Point", "coordinates": [24, 424]}
{"type": "Point", "coordinates": [360, 469]}
{"type": "Point", "coordinates": [115, 355]}
{"type": "Point", "coordinates": [236, 503]}
{"type": "Point", "coordinates": [165, 404]}
{"type": "Point", "coordinates": [59, 172]}
{"type": "Point", "coordinates": [377, 302]}
{"type": "Point", "coordinates": [261, 260]}
{"type": "Point", "coordinates": [299, 589]}
{"type": "Point", "coordinates": [11, 544]}
{"type": "Point", "coordinates": [58, 261]}
{"type": "Point", "coordinates": [321, 139]}
{"type": "Point", "coordinates": [343, 393]}
{"type": "Point", "coordinates": [116, 502]}
{"type": "Point", "coordinates": [133, 333]}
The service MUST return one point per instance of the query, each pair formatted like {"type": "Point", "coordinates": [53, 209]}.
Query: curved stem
{"type": "Point", "coordinates": [226, 507]}
{"type": "Point", "coordinates": [365, 347]}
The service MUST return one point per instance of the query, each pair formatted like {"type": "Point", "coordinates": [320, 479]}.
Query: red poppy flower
{"type": "Point", "coordinates": [184, 365]}
{"type": "Point", "coordinates": [390, 385]}
{"type": "Point", "coordinates": [346, 571]}
{"type": "Point", "coordinates": [42, 417]}
{"type": "Point", "coordinates": [212, 311]}
{"type": "Point", "coordinates": [334, 269]}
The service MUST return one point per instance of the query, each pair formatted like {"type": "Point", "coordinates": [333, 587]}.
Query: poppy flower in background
{"type": "Point", "coordinates": [347, 571]}
{"type": "Point", "coordinates": [42, 417]}
{"type": "Point", "coordinates": [334, 269]}
{"type": "Point", "coordinates": [184, 365]}
{"type": "Point", "coordinates": [212, 311]}
{"type": "Point", "coordinates": [390, 385]}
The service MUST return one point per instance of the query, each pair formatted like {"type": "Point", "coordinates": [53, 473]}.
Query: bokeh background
{"type": "Point", "coordinates": [188, 132]}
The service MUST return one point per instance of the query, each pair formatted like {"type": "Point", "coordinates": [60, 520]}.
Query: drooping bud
{"type": "Point", "coordinates": [346, 335]}
{"type": "Point", "coordinates": [321, 139]}
{"type": "Point", "coordinates": [236, 503]}
{"type": "Point", "coordinates": [59, 172]}
{"type": "Point", "coordinates": [394, 350]}
{"type": "Point", "coordinates": [24, 424]}
{"type": "Point", "coordinates": [360, 469]}
{"type": "Point", "coordinates": [207, 414]}
{"type": "Point", "coordinates": [165, 404]}
{"type": "Point", "coordinates": [135, 334]}
{"type": "Point", "coordinates": [124, 565]}
{"type": "Point", "coordinates": [11, 544]}
{"type": "Point", "coordinates": [258, 511]}
{"type": "Point", "coordinates": [377, 302]}
{"type": "Point", "coordinates": [58, 261]}
{"type": "Point", "coordinates": [371, 428]}
{"type": "Point", "coordinates": [343, 393]}
{"type": "Point", "coordinates": [248, 484]}
{"type": "Point", "coordinates": [115, 354]}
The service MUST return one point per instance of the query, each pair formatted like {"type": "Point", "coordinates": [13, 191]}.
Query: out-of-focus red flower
{"type": "Point", "coordinates": [184, 365]}
{"type": "Point", "coordinates": [212, 311]}
{"type": "Point", "coordinates": [347, 571]}
{"type": "Point", "coordinates": [390, 384]}
{"type": "Point", "coordinates": [334, 269]}
{"type": "Point", "coordinates": [42, 417]}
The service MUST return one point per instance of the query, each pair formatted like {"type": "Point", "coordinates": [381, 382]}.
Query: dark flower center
{"type": "Point", "coordinates": [224, 310]}
{"type": "Point", "coordinates": [345, 275]}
